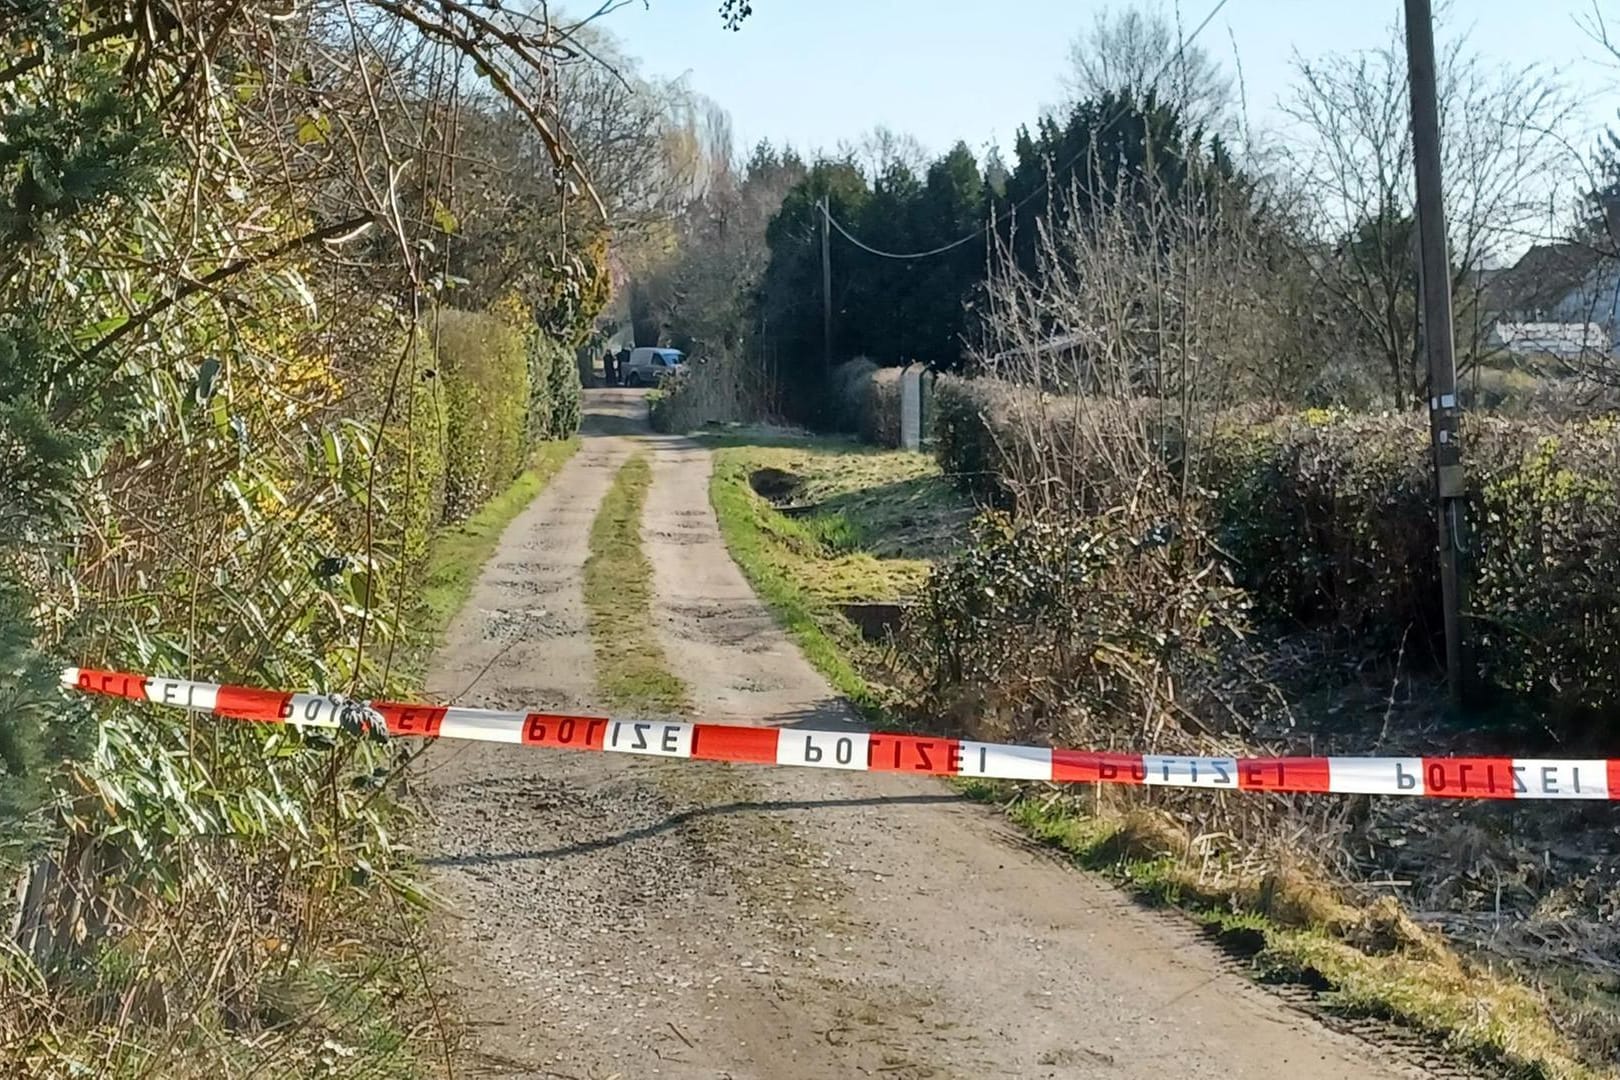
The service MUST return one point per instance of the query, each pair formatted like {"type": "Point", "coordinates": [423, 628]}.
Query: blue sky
{"type": "Point", "coordinates": [812, 72]}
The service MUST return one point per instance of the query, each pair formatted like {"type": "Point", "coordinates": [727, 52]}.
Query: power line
{"type": "Point", "coordinates": [847, 235]}
{"type": "Point", "coordinates": [1021, 203]}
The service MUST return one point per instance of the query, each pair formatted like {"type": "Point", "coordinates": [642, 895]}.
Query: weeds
{"type": "Point", "coordinates": [1266, 888]}
{"type": "Point", "coordinates": [803, 567]}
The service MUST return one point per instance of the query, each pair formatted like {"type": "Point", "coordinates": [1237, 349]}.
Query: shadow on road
{"type": "Point", "coordinates": [828, 714]}
{"type": "Point", "coordinates": [613, 411]}
{"type": "Point", "coordinates": [675, 821]}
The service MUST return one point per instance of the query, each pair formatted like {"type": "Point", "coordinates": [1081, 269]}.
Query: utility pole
{"type": "Point", "coordinates": [1435, 280]}
{"type": "Point", "coordinates": [826, 286]}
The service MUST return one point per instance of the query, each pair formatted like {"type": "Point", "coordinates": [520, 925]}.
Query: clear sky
{"type": "Point", "coordinates": [812, 72]}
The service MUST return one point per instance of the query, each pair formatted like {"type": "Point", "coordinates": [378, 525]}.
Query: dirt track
{"type": "Point", "coordinates": [642, 918]}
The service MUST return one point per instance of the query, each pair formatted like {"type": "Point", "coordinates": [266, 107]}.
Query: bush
{"type": "Point", "coordinates": [565, 391]}
{"type": "Point", "coordinates": [1329, 521]}
{"type": "Point", "coordinates": [553, 389]}
{"type": "Point", "coordinates": [1545, 583]}
{"type": "Point", "coordinates": [411, 461]}
{"type": "Point", "coordinates": [1042, 452]}
{"type": "Point", "coordinates": [553, 373]}
{"type": "Point", "coordinates": [866, 402]}
{"type": "Point", "coordinates": [710, 389]}
{"type": "Point", "coordinates": [1068, 629]}
{"type": "Point", "coordinates": [484, 365]}
{"type": "Point", "coordinates": [395, 400]}
{"type": "Point", "coordinates": [848, 388]}
{"type": "Point", "coordinates": [964, 442]}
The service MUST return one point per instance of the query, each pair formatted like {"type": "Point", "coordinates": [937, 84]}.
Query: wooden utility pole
{"type": "Point", "coordinates": [1435, 280]}
{"type": "Point", "coordinates": [826, 286]}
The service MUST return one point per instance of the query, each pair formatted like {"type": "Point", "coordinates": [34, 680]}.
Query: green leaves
{"type": "Point", "coordinates": [66, 156]}
{"type": "Point", "coordinates": [312, 129]}
{"type": "Point", "coordinates": [443, 219]}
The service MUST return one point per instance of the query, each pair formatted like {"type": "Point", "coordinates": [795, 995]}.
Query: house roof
{"type": "Point", "coordinates": [1543, 276]}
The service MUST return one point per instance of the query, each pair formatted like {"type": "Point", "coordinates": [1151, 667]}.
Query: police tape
{"type": "Point", "coordinates": [1442, 777]}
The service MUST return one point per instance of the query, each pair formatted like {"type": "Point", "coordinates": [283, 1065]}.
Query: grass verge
{"type": "Point", "coordinates": [800, 567]}
{"type": "Point", "coordinates": [631, 670]}
{"type": "Point", "coordinates": [1371, 962]}
{"type": "Point", "coordinates": [459, 552]}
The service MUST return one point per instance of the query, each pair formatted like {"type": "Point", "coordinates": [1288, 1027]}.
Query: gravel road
{"type": "Point", "coordinates": [644, 918]}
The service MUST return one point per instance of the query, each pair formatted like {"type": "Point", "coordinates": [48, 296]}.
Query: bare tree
{"type": "Point", "coordinates": [1504, 159]}
{"type": "Point", "coordinates": [651, 147]}
{"type": "Point", "coordinates": [881, 148]}
{"type": "Point", "coordinates": [1142, 50]}
{"type": "Point", "coordinates": [1140, 317]}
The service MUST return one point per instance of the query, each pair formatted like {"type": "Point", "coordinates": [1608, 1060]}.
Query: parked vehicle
{"type": "Point", "coordinates": [650, 366]}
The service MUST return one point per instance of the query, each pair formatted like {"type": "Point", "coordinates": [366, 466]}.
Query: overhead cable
{"type": "Point", "coordinates": [1021, 203]}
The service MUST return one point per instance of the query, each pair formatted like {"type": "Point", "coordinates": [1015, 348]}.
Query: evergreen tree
{"type": "Point", "coordinates": [1111, 149]}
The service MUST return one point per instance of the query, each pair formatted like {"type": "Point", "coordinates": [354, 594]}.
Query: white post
{"type": "Point", "coordinates": [911, 407]}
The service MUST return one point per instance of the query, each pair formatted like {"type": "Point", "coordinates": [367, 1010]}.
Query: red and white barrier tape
{"type": "Point", "coordinates": [1443, 777]}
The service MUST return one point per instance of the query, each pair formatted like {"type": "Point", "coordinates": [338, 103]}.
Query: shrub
{"type": "Point", "coordinates": [866, 401]}
{"type": "Point", "coordinates": [411, 459]}
{"type": "Point", "coordinates": [553, 389]}
{"type": "Point", "coordinates": [1045, 452]}
{"type": "Point", "coordinates": [1545, 584]}
{"type": "Point", "coordinates": [565, 388]}
{"type": "Point", "coordinates": [553, 374]}
{"type": "Point", "coordinates": [1329, 521]}
{"type": "Point", "coordinates": [849, 385]}
{"type": "Point", "coordinates": [484, 365]}
{"type": "Point", "coordinates": [964, 442]}
{"type": "Point", "coordinates": [716, 388]}
{"type": "Point", "coordinates": [1082, 630]}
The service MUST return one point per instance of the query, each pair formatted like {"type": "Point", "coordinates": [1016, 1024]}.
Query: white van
{"type": "Point", "coordinates": [648, 366]}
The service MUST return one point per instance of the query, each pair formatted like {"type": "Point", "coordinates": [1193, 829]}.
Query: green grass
{"type": "Point", "coordinates": [631, 671]}
{"type": "Point", "coordinates": [459, 552]}
{"type": "Point", "coordinates": [880, 518]}
{"type": "Point", "coordinates": [758, 539]}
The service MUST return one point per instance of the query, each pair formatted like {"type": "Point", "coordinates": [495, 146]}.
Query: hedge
{"type": "Point", "coordinates": [988, 435]}
{"type": "Point", "coordinates": [484, 363]}
{"type": "Point", "coordinates": [964, 439]}
{"type": "Point", "coordinates": [553, 389]}
{"type": "Point", "coordinates": [411, 458]}
{"type": "Point", "coordinates": [1328, 520]}
{"type": "Point", "coordinates": [866, 401]}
